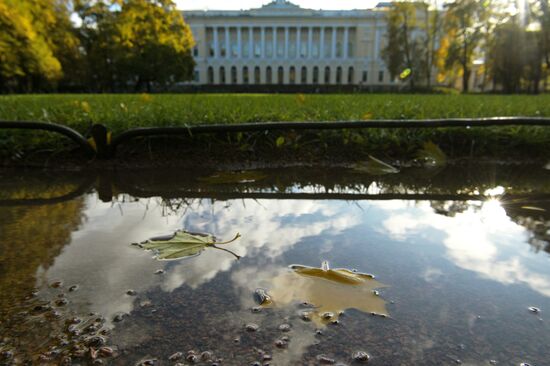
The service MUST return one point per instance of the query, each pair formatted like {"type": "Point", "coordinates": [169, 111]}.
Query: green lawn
{"type": "Point", "coordinates": [120, 112]}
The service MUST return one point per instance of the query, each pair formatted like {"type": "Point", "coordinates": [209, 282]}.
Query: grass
{"type": "Point", "coordinates": [121, 112]}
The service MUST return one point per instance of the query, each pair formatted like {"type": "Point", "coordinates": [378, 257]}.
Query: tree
{"type": "Point", "coordinates": [155, 43]}
{"type": "Point", "coordinates": [431, 29]}
{"type": "Point", "coordinates": [404, 51]}
{"type": "Point", "coordinates": [464, 20]}
{"type": "Point", "coordinates": [507, 67]}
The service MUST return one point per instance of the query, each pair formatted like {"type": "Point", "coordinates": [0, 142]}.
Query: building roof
{"type": "Point", "coordinates": [284, 8]}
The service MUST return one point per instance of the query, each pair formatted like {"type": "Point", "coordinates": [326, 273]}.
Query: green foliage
{"type": "Point", "coordinates": [431, 155]}
{"type": "Point", "coordinates": [183, 244]}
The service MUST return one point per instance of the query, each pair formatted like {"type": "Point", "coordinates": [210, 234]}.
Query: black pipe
{"type": "Point", "coordinates": [53, 127]}
{"type": "Point", "coordinates": [273, 126]}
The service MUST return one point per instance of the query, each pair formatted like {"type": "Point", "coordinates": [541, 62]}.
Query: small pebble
{"type": "Point", "coordinates": [279, 343]}
{"type": "Point", "coordinates": [376, 293]}
{"type": "Point", "coordinates": [131, 293]}
{"type": "Point", "coordinates": [257, 309]}
{"type": "Point", "coordinates": [305, 316]}
{"type": "Point", "coordinates": [206, 356]}
{"type": "Point", "coordinates": [56, 284]}
{"type": "Point", "coordinates": [176, 356]}
{"type": "Point", "coordinates": [328, 315]}
{"type": "Point", "coordinates": [159, 271]}
{"type": "Point", "coordinates": [106, 352]}
{"type": "Point", "coordinates": [534, 309]}
{"type": "Point", "coordinates": [361, 356]}
{"type": "Point", "coordinates": [192, 358]}
{"type": "Point", "coordinates": [493, 362]}
{"type": "Point", "coordinates": [284, 327]}
{"type": "Point", "coordinates": [73, 288]}
{"type": "Point", "coordinates": [266, 357]}
{"type": "Point", "coordinates": [61, 302]}
{"type": "Point", "coordinates": [324, 360]}
{"type": "Point", "coordinates": [118, 318]}
{"type": "Point", "coordinates": [251, 327]}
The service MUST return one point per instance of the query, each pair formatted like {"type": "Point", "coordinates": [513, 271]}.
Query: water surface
{"type": "Point", "coordinates": [459, 256]}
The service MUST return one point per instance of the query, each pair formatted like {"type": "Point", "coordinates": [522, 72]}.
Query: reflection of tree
{"type": "Point", "coordinates": [535, 217]}
{"type": "Point", "coordinates": [449, 208]}
{"type": "Point", "coordinates": [31, 237]}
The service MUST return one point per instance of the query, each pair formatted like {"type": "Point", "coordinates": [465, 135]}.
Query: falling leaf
{"type": "Point", "coordinates": [367, 116]}
{"type": "Point", "coordinates": [245, 176]}
{"type": "Point", "coordinates": [300, 98]}
{"type": "Point", "coordinates": [85, 107]}
{"type": "Point", "coordinates": [280, 141]}
{"type": "Point", "coordinates": [431, 155]}
{"type": "Point", "coordinates": [329, 291]}
{"type": "Point", "coordinates": [183, 244]}
{"type": "Point", "coordinates": [405, 74]}
{"type": "Point", "coordinates": [375, 167]}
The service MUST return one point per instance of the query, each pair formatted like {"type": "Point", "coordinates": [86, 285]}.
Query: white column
{"type": "Point", "coordinates": [333, 48]}
{"type": "Point", "coordinates": [346, 41]}
{"type": "Point", "coordinates": [286, 42]}
{"type": "Point", "coordinates": [227, 43]}
{"type": "Point", "coordinates": [216, 50]}
{"type": "Point", "coordinates": [262, 43]}
{"type": "Point", "coordinates": [298, 43]}
{"type": "Point", "coordinates": [309, 41]}
{"type": "Point", "coordinates": [239, 43]}
{"type": "Point", "coordinates": [274, 45]}
{"type": "Point", "coordinates": [377, 45]}
{"type": "Point", "coordinates": [250, 45]}
{"type": "Point", "coordinates": [322, 42]}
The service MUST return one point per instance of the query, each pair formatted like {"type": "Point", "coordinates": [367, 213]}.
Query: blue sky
{"type": "Point", "coordinates": [247, 4]}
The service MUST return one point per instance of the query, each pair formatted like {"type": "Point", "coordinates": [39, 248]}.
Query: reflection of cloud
{"type": "Point", "coordinates": [478, 240]}
{"type": "Point", "coordinates": [100, 260]}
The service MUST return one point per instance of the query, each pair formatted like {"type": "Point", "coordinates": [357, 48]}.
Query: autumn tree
{"type": "Point", "coordinates": [403, 53]}
{"type": "Point", "coordinates": [464, 21]}
{"type": "Point", "coordinates": [154, 43]}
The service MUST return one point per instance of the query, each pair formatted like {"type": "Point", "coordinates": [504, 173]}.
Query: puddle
{"type": "Point", "coordinates": [460, 258]}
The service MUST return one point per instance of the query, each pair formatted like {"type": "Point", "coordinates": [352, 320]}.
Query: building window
{"type": "Point", "coordinates": [380, 76]}
{"type": "Point", "coordinates": [257, 77]}
{"type": "Point", "coordinates": [338, 75]}
{"type": "Point", "coordinates": [234, 50]}
{"type": "Point", "coordinates": [292, 49]}
{"type": "Point", "coordinates": [351, 76]}
{"type": "Point", "coordinates": [268, 75]}
{"type": "Point", "coordinates": [280, 49]}
{"type": "Point", "coordinates": [365, 76]}
{"type": "Point", "coordinates": [196, 76]}
{"type": "Point", "coordinates": [222, 75]}
{"type": "Point", "coordinates": [327, 75]}
{"type": "Point", "coordinates": [222, 49]}
{"type": "Point", "coordinates": [269, 49]}
{"type": "Point", "coordinates": [257, 50]}
{"type": "Point", "coordinates": [211, 50]}
{"type": "Point", "coordinates": [339, 52]}
{"type": "Point", "coordinates": [245, 75]}
{"type": "Point", "coordinates": [280, 75]}
{"type": "Point", "coordinates": [234, 75]}
{"type": "Point", "coordinates": [303, 75]}
{"type": "Point", "coordinates": [350, 50]}
{"type": "Point", "coordinates": [292, 75]}
{"type": "Point", "coordinates": [210, 75]}
{"type": "Point", "coordinates": [314, 51]}
{"type": "Point", "coordinates": [316, 75]}
{"type": "Point", "coordinates": [196, 51]}
{"type": "Point", "coordinates": [303, 50]}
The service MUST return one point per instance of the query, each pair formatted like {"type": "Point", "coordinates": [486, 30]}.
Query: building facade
{"type": "Point", "coordinates": [283, 44]}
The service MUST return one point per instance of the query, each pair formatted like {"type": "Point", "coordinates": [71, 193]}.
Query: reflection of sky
{"type": "Point", "coordinates": [104, 265]}
{"type": "Point", "coordinates": [481, 239]}
{"type": "Point", "coordinates": [99, 258]}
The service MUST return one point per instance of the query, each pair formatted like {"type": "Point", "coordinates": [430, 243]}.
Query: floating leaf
{"type": "Point", "coordinates": [375, 167]}
{"type": "Point", "coordinates": [432, 155]}
{"type": "Point", "coordinates": [183, 244]}
{"type": "Point", "coordinates": [327, 292]}
{"type": "Point", "coordinates": [245, 176]}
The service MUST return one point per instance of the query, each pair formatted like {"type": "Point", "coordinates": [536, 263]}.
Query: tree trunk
{"type": "Point", "coordinates": [465, 78]}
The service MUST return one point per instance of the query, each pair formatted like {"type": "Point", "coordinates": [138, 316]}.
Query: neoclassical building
{"type": "Point", "coordinates": [283, 44]}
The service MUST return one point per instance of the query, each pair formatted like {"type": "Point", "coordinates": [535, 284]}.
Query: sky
{"type": "Point", "coordinates": [248, 4]}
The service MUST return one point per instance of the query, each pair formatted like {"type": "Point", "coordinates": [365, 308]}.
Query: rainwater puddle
{"type": "Point", "coordinates": [458, 256]}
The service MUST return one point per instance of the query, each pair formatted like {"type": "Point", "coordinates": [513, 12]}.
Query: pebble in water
{"type": "Point", "coordinates": [360, 356]}
{"type": "Point", "coordinates": [284, 327]}
{"type": "Point", "coordinates": [131, 293]}
{"type": "Point", "coordinates": [207, 356]}
{"type": "Point", "coordinates": [493, 362]}
{"type": "Point", "coordinates": [328, 315]}
{"type": "Point", "coordinates": [61, 302]}
{"type": "Point", "coordinates": [279, 343]}
{"type": "Point", "coordinates": [525, 364]}
{"type": "Point", "coordinates": [325, 360]}
{"type": "Point", "coordinates": [73, 288]}
{"type": "Point", "coordinates": [176, 356]}
{"type": "Point", "coordinates": [251, 327]}
{"type": "Point", "coordinates": [159, 271]}
{"type": "Point", "coordinates": [106, 352]}
{"type": "Point", "coordinates": [257, 309]}
{"type": "Point", "coordinates": [376, 292]}
{"type": "Point", "coordinates": [56, 284]}
{"type": "Point", "coordinates": [192, 358]}
{"type": "Point", "coordinates": [305, 316]}
{"type": "Point", "coordinates": [534, 310]}
{"type": "Point", "coordinates": [118, 318]}
{"type": "Point", "coordinates": [262, 297]}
